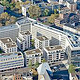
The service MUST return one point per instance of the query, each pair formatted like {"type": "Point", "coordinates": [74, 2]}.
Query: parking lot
{"type": "Point", "coordinates": [58, 66]}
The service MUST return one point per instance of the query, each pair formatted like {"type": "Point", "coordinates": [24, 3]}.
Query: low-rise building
{"type": "Point", "coordinates": [41, 41]}
{"type": "Point", "coordinates": [1, 9]}
{"type": "Point", "coordinates": [7, 45]}
{"type": "Point", "coordinates": [11, 60]}
{"type": "Point", "coordinates": [53, 54]}
{"type": "Point", "coordinates": [33, 56]}
{"type": "Point", "coordinates": [24, 40]}
{"type": "Point", "coordinates": [71, 5]}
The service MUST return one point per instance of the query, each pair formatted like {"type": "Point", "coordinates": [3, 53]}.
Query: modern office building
{"type": "Point", "coordinates": [1, 9]}
{"type": "Point", "coordinates": [7, 45]}
{"type": "Point", "coordinates": [25, 24]}
{"type": "Point", "coordinates": [11, 61]}
{"type": "Point", "coordinates": [73, 49]}
{"type": "Point", "coordinates": [33, 56]}
{"type": "Point", "coordinates": [53, 54]}
{"type": "Point", "coordinates": [56, 37]}
{"type": "Point", "coordinates": [24, 40]}
{"type": "Point", "coordinates": [41, 42]}
{"type": "Point", "coordinates": [13, 29]}
{"type": "Point", "coordinates": [9, 31]}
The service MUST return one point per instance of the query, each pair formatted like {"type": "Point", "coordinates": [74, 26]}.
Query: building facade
{"type": "Point", "coordinates": [41, 42]}
{"type": "Point", "coordinates": [53, 54]}
{"type": "Point", "coordinates": [9, 31]}
{"type": "Point", "coordinates": [71, 5]}
{"type": "Point", "coordinates": [7, 45]}
{"type": "Point", "coordinates": [33, 56]}
{"type": "Point", "coordinates": [11, 60]}
{"type": "Point", "coordinates": [24, 40]}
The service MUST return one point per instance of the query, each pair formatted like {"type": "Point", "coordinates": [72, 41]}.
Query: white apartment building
{"type": "Point", "coordinates": [11, 61]}
{"type": "Point", "coordinates": [1, 9]}
{"type": "Point", "coordinates": [24, 40]}
{"type": "Point", "coordinates": [41, 41]}
{"type": "Point", "coordinates": [7, 45]}
{"type": "Point", "coordinates": [55, 36]}
{"type": "Point", "coordinates": [33, 56]}
{"type": "Point", "coordinates": [53, 54]}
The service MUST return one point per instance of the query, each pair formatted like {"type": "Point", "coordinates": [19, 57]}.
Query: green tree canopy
{"type": "Point", "coordinates": [71, 68]}
{"type": "Point", "coordinates": [36, 64]}
{"type": "Point", "coordinates": [34, 11]}
{"type": "Point", "coordinates": [51, 18]}
{"type": "Point", "coordinates": [55, 11]}
{"type": "Point", "coordinates": [43, 60]}
{"type": "Point", "coordinates": [30, 64]}
{"type": "Point", "coordinates": [46, 12]}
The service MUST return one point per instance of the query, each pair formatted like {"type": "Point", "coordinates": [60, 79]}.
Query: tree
{"type": "Point", "coordinates": [13, 19]}
{"type": "Point", "coordinates": [43, 60]}
{"type": "Point", "coordinates": [30, 64]}
{"type": "Point", "coordinates": [25, 3]}
{"type": "Point", "coordinates": [4, 15]}
{"type": "Point", "coordinates": [32, 42]}
{"type": "Point", "coordinates": [46, 12]}
{"type": "Point", "coordinates": [34, 11]}
{"type": "Point", "coordinates": [37, 64]}
{"type": "Point", "coordinates": [51, 19]}
{"type": "Point", "coordinates": [6, 3]}
{"type": "Point", "coordinates": [7, 23]}
{"type": "Point", "coordinates": [55, 11]}
{"type": "Point", "coordinates": [71, 68]}
{"type": "Point", "coordinates": [17, 5]}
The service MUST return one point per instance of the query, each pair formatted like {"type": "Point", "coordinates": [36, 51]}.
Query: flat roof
{"type": "Point", "coordinates": [3, 55]}
{"type": "Point", "coordinates": [71, 2]}
{"type": "Point", "coordinates": [51, 48]}
{"type": "Point", "coordinates": [34, 51]}
{"type": "Point", "coordinates": [42, 38]}
{"type": "Point", "coordinates": [76, 26]}
{"type": "Point", "coordinates": [25, 32]}
{"type": "Point", "coordinates": [13, 44]}
{"type": "Point", "coordinates": [74, 41]}
{"type": "Point", "coordinates": [12, 26]}
{"type": "Point", "coordinates": [25, 21]}
{"type": "Point", "coordinates": [6, 40]}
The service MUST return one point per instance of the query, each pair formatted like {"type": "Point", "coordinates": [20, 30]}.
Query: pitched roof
{"type": "Point", "coordinates": [42, 68]}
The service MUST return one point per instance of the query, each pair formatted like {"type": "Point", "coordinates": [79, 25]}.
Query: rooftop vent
{"type": "Point", "coordinates": [33, 51]}
{"type": "Point", "coordinates": [8, 40]}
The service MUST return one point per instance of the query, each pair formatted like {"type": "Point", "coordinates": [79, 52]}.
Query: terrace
{"type": "Point", "coordinates": [3, 55]}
